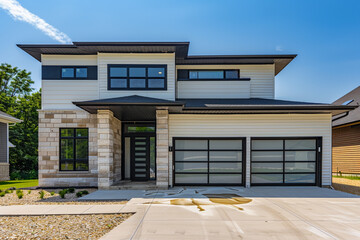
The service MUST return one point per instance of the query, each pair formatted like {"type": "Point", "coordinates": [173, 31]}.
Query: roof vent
{"type": "Point", "coordinates": [347, 102]}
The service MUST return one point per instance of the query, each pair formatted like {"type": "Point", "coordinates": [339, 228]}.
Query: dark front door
{"type": "Point", "coordinates": [140, 158]}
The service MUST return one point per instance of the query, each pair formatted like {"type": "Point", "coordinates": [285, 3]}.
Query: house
{"type": "Point", "coordinates": [117, 113]}
{"type": "Point", "coordinates": [346, 135]}
{"type": "Point", "coordinates": [5, 120]}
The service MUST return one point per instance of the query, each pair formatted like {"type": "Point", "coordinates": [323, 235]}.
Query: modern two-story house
{"type": "Point", "coordinates": [126, 112]}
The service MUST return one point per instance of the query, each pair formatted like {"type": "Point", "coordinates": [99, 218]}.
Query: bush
{"type": "Point", "coordinates": [8, 191]}
{"type": "Point", "coordinates": [85, 192]}
{"type": "Point", "coordinates": [52, 193]}
{"type": "Point", "coordinates": [2, 194]}
{"type": "Point", "coordinates": [79, 194]}
{"type": "Point", "coordinates": [29, 191]}
{"type": "Point", "coordinates": [20, 194]}
{"type": "Point", "coordinates": [62, 193]}
{"type": "Point", "coordinates": [42, 194]}
{"type": "Point", "coordinates": [23, 175]}
{"type": "Point", "coordinates": [71, 190]}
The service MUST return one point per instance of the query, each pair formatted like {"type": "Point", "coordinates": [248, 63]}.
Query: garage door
{"type": "Point", "coordinates": [209, 161]}
{"type": "Point", "coordinates": [286, 161]}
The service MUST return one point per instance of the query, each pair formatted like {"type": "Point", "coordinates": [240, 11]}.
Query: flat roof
{"type": "Point", "coordinates": [180, 49]}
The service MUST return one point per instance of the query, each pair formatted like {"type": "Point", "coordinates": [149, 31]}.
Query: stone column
{"type": "Point", "coordinates": [162, 148]}
{"type": "Point", "coordinates": [105, 149]}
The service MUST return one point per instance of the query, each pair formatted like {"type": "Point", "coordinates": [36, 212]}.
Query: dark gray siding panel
{"type": "Point", "coordinates": [3, 143]}
{"type": "Point", "coordinates": [54, 72]}
{"type": "Point", "coordinates": [51, 72]}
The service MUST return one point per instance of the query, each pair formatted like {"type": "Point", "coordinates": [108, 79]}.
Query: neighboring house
{"type": "Point", "coordinates": [116, 113]}
{"type": "Point", "coordinates": [5, 120]}
{"type": "Point", "coordinates": [346, 135]}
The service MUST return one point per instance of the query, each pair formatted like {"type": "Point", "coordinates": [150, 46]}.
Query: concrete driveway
{"type": "Point", "coordinates": [237, 213]}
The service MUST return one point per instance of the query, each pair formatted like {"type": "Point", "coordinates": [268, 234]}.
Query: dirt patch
{"type": "Point", "coordinates": [32, 197]}
{"type": "Point", "coordinates": [346, 185]}
{"type": "Point", "coordinates": [59, 226]}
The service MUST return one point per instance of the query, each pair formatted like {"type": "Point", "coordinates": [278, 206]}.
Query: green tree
{"type": "Point", "coordinates": [18, 99]}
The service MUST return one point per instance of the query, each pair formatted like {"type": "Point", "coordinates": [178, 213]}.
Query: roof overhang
{"type": "Point", "coordinates": [179, 48]}
{"type": "Point", "coordinates": [6, 118]}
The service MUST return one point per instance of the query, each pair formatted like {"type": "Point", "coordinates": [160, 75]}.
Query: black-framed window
{"type": "Point", "coordinates": [74, 72]}
{"type": "Point", "coordinates": [137, 77]}
{"type": "Point", "coordinates": [284, 161]}
{"type": "Point", "coordinates": [209, 161]}
{"type": "Point", "coordinates": [209, 75]}
{"type": "Point", "coordinates": [74, 149]}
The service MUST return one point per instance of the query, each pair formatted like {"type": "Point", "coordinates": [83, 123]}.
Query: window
{"type": "Point", "coordinates": [283, 161]}
{"type": "Point", "coordinates": [74, 72]}
{"type": "Point", "coordinates": [137, 77]}
{"type": "Point", "coordinates": [211, 75]}
{"type": "Point", "coordinates": [74, 149]}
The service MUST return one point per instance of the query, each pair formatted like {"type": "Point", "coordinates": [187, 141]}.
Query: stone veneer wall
{"type": "Point", "coordinates": [4, 172]}
{"type": "Point", "coordinates": [162, 148]}
{"type": "Point", "coordinates": [109, 149]}
{"type": "Point", "coordinates": [50, 123]}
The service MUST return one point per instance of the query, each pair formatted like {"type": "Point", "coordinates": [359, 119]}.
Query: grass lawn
{"type": "Point", "coordinates": [19, 184]}
{"type": "Point", "coordinates": [348, 177]}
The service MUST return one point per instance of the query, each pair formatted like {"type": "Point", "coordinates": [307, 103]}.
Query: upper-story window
{"type": "Point", "coordinates": [208, 74]}
{"type": "Point", "coordinates": [73, 72]}
{"type": "Point", "coordinates": [137, 77]}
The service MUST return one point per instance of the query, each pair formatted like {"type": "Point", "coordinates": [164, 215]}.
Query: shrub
{"type": "Point", "coordinates": [29, 191]}
{"type": "Point", "coordinates": [8, 191]}
{"type": "Point", "coordinates": [79, 194]}
{"type": "Point", "coordinates": [52, 193]}
{"type": "Point", "coordinates": [71, 190]}
{"type": "Point", "coordinates": [18, 191]}
{"type": "Point", "coordinates": [19, 194]}
{"type": "Point", "coordinates": [85, 192]}
{"type": "Point", "coordinates": [42, 194]}
{"type": "Point", "coordinates": [2, 194]}
{"type": "Point", "coordinates": [21, 175]}
{"type": "Point", "coordinates": [62, 193]}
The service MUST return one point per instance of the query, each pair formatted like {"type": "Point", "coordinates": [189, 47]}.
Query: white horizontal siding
{"type": "Point", "coordinates": [69, 60]}
{"type": "Point", "coordinates": [59, 94]}
{"type": "Point", "coordinates": [114, 58]}
{"type": "Point", "coordinates": [261, 83]}
{"type": "Point", "coordinates": [213, 89]}
{"type": "Point", "coordinates": [264, 125]}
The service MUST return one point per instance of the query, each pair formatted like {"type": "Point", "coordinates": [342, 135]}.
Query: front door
{"type": "Point", "coordinates": [140, 158]}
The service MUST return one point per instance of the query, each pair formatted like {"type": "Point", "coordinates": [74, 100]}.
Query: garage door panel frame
{"type": "Point", "coordinates": [318, 161]}
{"type": "Point", "coordinates": [243, 160]}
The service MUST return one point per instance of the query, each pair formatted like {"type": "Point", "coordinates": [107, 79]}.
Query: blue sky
{"type": "Point", "coordinates": [324, 34]}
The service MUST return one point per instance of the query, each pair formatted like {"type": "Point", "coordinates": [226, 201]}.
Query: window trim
{"type": "Point", "coordinates": [208, 150]}
{"type": "Point", "coordinates": [318, 161]}
{"type": "Point", "coordinates": [212, 79]}
{"type": "Point", "coordinates": [74, 146]}
{"type": "Point", "coordinates": [128, 66]}
{"type": "Point", "coordinates": [74, 77]}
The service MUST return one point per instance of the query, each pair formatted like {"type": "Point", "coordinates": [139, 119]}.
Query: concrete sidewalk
{"type": "Point", "coordinates": [34, 210]}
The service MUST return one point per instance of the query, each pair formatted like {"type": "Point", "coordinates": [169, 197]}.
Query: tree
{"type": "Point", "coordinates": [18, 99]}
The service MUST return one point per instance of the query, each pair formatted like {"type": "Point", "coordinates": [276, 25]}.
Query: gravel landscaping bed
{"type": "Point", "coordinates": [60, 226]}
{"type": "Point", "coordinates": [32, 197]}
{"type": "Point", "coordinates": [346, 185]}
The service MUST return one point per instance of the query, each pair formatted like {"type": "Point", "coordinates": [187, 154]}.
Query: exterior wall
{"type": "Point", "coordinates": [262, 83]}
{"type": "Point", "coordinates": [213, 89]}
{"type": "Point", "coordinates": [162, 149]}
{"type": "Point", "coordinates": [109, 149]}
{"type": "Point", "coordinates": [4, 138]}
{"type": "Point", "coordinates": [59, 94]}
{"type": "Point", "coordinates": [4, 172]}
{"type": "Point", "coordinates": [346, 149]}
{"type": "Point", "coordinates": [133, 58]}
{"type": "Point", "coordinates": [262, 125]}
{"type": "Point", "coordinates": [50, 123]}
